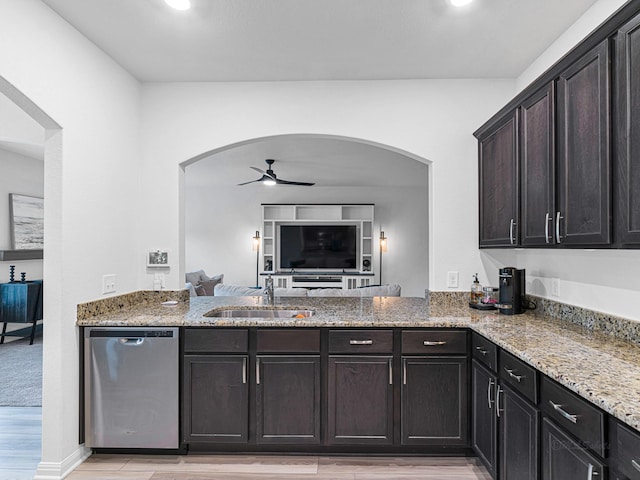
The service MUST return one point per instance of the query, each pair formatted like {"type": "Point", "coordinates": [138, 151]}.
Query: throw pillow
{"type": "Point", "coordinates": [209, 285]}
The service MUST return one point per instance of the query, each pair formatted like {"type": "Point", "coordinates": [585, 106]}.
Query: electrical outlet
{"type": "Point", "coordinates": [109, 283]}
{"type": "Point", "coordinates": [452, 279]}
{"type": "Point", "coordinates": [555, 287]}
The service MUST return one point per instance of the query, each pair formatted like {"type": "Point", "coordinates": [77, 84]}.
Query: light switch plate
{"type": "Point", "coordinates": [452, 279]}
{"type": "Point", "coordinates": [109, 283]}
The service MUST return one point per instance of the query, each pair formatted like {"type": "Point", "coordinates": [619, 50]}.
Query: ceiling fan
{"type": "Point", "coordinates": [270, 178]}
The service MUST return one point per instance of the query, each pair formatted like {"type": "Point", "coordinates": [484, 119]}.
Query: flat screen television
{"type": "Point", "coordinates": [323, 247]}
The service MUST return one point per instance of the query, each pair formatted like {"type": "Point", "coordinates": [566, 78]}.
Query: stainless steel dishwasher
{"type": "Point", "coordinates": [131, 387]}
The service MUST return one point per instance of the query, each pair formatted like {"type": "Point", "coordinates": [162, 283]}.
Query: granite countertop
{"type": "Point", "coordinates": [600, 368]}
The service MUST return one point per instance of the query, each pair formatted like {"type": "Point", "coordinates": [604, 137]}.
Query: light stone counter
{"type": "Point", "coordinates": [600, 368]}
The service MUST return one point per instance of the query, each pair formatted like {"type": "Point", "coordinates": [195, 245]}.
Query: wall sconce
{"type": "Point", "coordinates": [256, 248]}
{"type": "Point", "coordinates": [383, 248]}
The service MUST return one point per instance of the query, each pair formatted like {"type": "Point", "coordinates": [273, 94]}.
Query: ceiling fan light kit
{"type": "Point", "coordinates": [270, 178]}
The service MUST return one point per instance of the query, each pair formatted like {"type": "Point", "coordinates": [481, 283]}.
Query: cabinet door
{"type": "Point", "coordinates": [484, 433]}
{"type": "Point", "coordinates": [360, 400]}
{"type": "Point", "coordinates": [434, 400]}
{"type": "Point", "coordinates": [288, 399]}
{"type": "Point", "coordinates": [215, 406]}
{"type": "Point", "coordinates": [584, 166]}
{"type": "Point", "coordinates": [519, 432]}
{"type": "Point", "coordinates": [627, 172]}
{"type": "Point", "coordinates": [538, 168]}
{"type": "Point", "coordinates": [498, 184]}
{"type": "Point", "coordinates": [563, 458]}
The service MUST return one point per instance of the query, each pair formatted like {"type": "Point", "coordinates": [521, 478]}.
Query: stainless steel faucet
{"type": "Point", "coordinates": [268, 291]}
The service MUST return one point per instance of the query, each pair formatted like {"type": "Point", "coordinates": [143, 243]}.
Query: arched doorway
{"type": "Point", "coordinates": [220, 216]}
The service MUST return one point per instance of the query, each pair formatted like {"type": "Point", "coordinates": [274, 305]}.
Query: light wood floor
{"type": "Point", "coordinates": [248, 467]}
{"type": "Point", "coordinates": [20, 442]}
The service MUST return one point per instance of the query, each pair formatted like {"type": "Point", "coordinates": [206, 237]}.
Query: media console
{"type": "Point", "coordinates": [324, 237]}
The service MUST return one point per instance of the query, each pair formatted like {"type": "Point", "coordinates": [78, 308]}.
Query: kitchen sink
{"type": "Point", "coordinates": [261, 313]}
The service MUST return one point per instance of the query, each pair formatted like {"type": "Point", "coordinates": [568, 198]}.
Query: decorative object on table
{"type": "Point", "coordinates": [256, 248]}
{"type": "Point", "coordinates": [475, 294]}
{"type": "Point", "coordinates": [12, 273]}
{"type": "Point", "coordinates": [23, 277]}
{"type": "Point", "coordinates": [383, 248]}
{"type": "Point", "coordinates": [366, 265]}
{"type": "Point", "coordinates": [26, 214]}
{"type": "Point", "coordinates": [268, 265]}
{"type": "Point", "coordinates": [158, 258]}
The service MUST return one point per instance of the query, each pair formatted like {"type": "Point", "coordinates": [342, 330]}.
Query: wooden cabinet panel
{"type": "Point", "coordinates": [537, 155]}
{"type": "Point", "coordinates": [288, 399]}
{"type": "Point", "coordinates": [575, 415]}
{"type": "Point", "coordinates": [360, 400]}
{"type": "Point", "coordinates": [627, 131]}
{"type": "Point", "coordinates": [625, 451]}
{"type": "Point", "coordinates": [485, 351]}
{"type": "Point", "coordinates": [288, 340]}
{"type": "Point", "coordinates": [498, 184]}
{"type": "Point", "coordinates": [434, 400]}
{"type": "Point", "coordinates": [519, 430]}
{"type": "Point", "coordinates": [584, 164]}
{"type": "Point", "coordinates": [218, 340]}
{"type": "Point", "coordinates": [360, 341]}
{"type": "Point", "coordinates": [522, 377]}
{"type": "Point", "coordinates": [434, 342]}
{"type": "Point", "coordinates": [563, 458]}
{"type": "Point", "coordinates": [484, 434]}
{"type": "Point", "coordinates": [215, 407]}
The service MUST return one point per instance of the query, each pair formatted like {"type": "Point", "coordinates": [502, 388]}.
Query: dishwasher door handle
{"type": "Point", "coordinates": [131, 342]}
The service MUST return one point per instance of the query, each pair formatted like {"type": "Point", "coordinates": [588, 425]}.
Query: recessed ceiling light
{"type": "Point", "coordinates": [179, 4]}
{"type": "Point", "coordinates": [460, 3]}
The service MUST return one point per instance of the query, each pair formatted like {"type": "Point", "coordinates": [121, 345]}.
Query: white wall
{"type": "Point", "coordinates": [24, 175]}
{"type": "Point", "coordinates": [219, 224]}
{"type": "Point", "coordinates": [433, 119]}
{"type": "Point", "coordinates": [604, 280]}
{"type": "Point", "coordinates": [91, 180]}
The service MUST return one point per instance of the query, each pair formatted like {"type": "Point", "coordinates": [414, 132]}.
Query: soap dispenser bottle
{"type": "Point", "coordinates": [476, 291]}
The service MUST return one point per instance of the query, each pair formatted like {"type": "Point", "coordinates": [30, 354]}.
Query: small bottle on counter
{"type": "Point", "coordinates": [476, 291]}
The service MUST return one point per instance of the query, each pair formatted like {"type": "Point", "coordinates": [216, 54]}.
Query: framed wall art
{"type": "Point", "coordinates": [26, 214]}
{"type": "Point", "coordinates": [158, 258]}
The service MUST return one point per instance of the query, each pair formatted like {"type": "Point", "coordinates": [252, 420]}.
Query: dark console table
{"type": "Point", "coordinates": [20, 302]}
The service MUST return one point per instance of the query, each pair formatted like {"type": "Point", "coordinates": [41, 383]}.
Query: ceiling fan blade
{"type": "Point", "coordinates": [287, 182]}
{"type": "Point", "coordinates": [252, 181]}
{"type": "Point", "coordinates": [258, 170]}
{"type": "Point", "coordinates": [265, 175]}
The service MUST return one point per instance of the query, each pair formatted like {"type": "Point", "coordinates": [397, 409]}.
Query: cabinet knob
{"type": "Point", "coordinates": [360, 342]}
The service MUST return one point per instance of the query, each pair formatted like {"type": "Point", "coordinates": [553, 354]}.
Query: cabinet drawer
{"type": "Point", "coordinates": [522, 377]}
{"type": "Point", "coordinates": [626, 445]}
{"type": "Point", "coordinates": [485, 351]}
{"type": "Point", "coordinates": [215, 340]}
{"type": "Point", "coordinates": [360, 341]}
{"type": "Point", "coordinates": [289, 340]}
{"type": "Point", "coordinates": [434, 342]}
{"type": "Point", "coordinates": [574, 414]}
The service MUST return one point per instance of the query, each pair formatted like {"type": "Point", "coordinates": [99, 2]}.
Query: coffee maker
{"type": "Point", "coordinates": [512, 284]}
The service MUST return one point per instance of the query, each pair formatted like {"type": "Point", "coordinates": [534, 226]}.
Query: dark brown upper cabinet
{"type": "Point", "coordinates": [498, 183]}
{"type": "Point", "coordinates": [627, 128]}
{"type": "Point", "coordinates": [583, 216]}
{"type": "Point", "coordinates": [537, 154]}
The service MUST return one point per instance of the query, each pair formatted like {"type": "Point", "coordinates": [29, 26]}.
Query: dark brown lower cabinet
{"type": "Point", "coordinates": [484, 428]}
{"type": "Point", "coordinates": [288, 399]}
{"type": "Point", "coordinates": [360, 400]}
{"type": "Point", "coordinates": [519, 431]}
{"type": "Point", "coordinates": [434, 400]}
{"type": "Point", "coordinates": [215, 407]}
{"type": "Point", "coordinates": [564, 459]}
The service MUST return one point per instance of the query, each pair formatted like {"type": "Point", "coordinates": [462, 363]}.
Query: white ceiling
{"type": "Point", "coordinates": [254, 40]}
{"type": "Point", "coordinates": [303, 158]}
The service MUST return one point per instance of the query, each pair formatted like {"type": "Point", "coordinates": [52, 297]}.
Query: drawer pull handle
{"type": "Point", "coordinates": [489, 388]}
{"type": "Point", "coordinates": [391, 372]}
{"type": "Point", "coordinates": [498, 392]}
{"type": "Point", "coordinates": [360, 342]}
{"type": "Point", "coordinates": [428, 343]}
{"type": "Point", "coordinates": [635, 465]}
{"type": "Point", "coordinates": [591, 472]}
{"type": "Point", "coordinates": [482, 350]}
{"type": "Point", "coordinates": [244, 370]}
{"type": "Point", "coordinates": [257, 371]}
{"type": "Point", "coordinates": [518, 378]}
{"type": "Point", "coordinates": [568, 416]}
